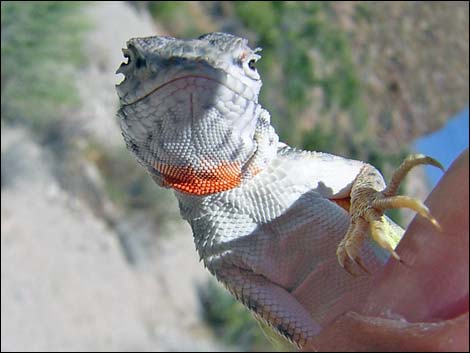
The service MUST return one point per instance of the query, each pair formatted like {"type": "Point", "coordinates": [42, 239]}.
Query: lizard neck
{"type": "Point", "coordinates": [227, 175]}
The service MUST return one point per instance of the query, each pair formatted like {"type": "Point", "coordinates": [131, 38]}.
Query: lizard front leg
{"type": "Point", "coordinates": [368, 204]}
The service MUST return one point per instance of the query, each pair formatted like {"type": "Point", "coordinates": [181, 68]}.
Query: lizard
{"type": "Point", "coordinates": [281, 228]}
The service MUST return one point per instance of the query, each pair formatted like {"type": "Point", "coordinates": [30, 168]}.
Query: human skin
{"type": "Point", "coordinates": [422, 303]}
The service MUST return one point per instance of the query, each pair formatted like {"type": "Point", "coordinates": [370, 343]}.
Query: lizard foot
{"type": "Point", "coordinates": [367, 211]}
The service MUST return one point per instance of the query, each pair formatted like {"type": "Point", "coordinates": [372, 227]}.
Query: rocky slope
{"type": "Point", "coordinates": [67, 282]}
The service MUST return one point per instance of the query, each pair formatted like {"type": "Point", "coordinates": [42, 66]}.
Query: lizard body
{"type": "Point", "coordinates": [267, 219]}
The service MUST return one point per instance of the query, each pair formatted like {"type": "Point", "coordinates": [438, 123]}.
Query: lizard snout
{"type": "Point", "coordinates": [134, 60]}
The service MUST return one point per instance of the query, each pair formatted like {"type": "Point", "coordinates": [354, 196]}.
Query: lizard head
{"type": "Point", "coordinates": [189, 110]}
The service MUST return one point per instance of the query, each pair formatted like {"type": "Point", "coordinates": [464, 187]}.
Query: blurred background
{"type": "Point", "coordinates": [94, 256]}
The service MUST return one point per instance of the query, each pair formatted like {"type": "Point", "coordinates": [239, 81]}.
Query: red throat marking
{"type": "Point", "coordinates": [201, 182]}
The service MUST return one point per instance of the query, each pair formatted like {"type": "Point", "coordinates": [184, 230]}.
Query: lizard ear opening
{"type": "Point", "coordinates": [249, 66]}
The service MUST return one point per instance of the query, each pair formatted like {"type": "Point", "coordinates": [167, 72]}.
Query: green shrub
{"type": "Point", "coordinates": [40, 47]}
{"type": "Point", "coordinates": [233, 323]}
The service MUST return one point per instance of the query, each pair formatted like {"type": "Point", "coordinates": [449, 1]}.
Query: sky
{"type": "Point", "coordinates": [445, 144]}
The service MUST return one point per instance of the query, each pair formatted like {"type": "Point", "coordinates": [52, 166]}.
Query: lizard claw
{"type": "Point", "coordinates": [348, 252]}
{"type": "Point", "coordinates": [367, 208]}
{"type": "Point", "coordinates": [390, 202]}
{"type": "Point", "coordinates": [410, 162]}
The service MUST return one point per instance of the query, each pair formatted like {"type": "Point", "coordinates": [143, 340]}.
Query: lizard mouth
{"type": "Point", "coordinates": [175, 81]}
{"type": "Point", "coordinates": [135, 88]}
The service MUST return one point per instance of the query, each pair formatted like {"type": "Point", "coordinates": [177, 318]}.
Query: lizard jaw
{"type": "Point", "coordinates": [193, 134]}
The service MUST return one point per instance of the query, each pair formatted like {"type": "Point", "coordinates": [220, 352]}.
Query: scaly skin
{"type": "Point", "coordinates": [267, 219]}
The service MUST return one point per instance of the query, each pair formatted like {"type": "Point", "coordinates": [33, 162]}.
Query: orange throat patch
{"type": "Point", "coordinates": [201, 182]}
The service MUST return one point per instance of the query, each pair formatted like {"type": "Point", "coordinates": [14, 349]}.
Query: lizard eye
{"type": "Point", "coordinates": [140, 62]}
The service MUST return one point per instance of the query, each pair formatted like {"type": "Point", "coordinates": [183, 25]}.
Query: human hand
{"type": "Point", "coordinates": [421, 305]}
